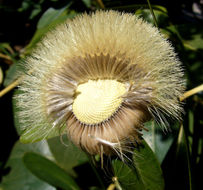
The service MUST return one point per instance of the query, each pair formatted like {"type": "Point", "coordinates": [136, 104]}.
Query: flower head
{"type": "Point", "coordinates": [101, 76]}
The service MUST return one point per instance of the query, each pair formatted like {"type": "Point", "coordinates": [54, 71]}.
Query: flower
{"type": "Point", "coordinates": [102, 76]}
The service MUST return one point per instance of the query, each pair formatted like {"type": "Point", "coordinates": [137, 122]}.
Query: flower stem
{"type": "Point", "coordinates": [13, 84]}
{"type": "Point", "coordinates": [10, 87]}
{"type": "Point", "coordinates": [191, 92]}
{"type": "Point", "coordinates": [152, 12]}
{"type": "Point", "coordinates": [117, 184]}
{"type": "Point", "coordinates": [101, 4]}
{"type": "Point", "coordinates": [5, 57]}
{"type": "Point", "coordinates": [111, 186]}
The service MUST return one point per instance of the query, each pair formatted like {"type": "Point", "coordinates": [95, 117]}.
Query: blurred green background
{"type": "Point", "coordinates": [179, 151]}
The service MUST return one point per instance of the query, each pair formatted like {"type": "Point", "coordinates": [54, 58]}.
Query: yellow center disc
{"type": "Point", "coordinates": [97, 100]}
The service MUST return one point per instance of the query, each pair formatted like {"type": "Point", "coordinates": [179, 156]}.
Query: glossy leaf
{"type": "Point", "coordinates": [49, 20]}
{"type": "Point", "coordinates": [87, 3]}
{"type": "Point", "coordinates": [191, 35]}
{"type": "Point", "coordinates": [49, 16]}
{"type": "Point", "coordinates": [127, 179]}
{"type": "Point", "coordinates": [11, 74]}
{"type": "Point", "coordinates": [161, 16]}
{"type": "Point", "coordinates": [158, 140]}
{"type": "Point", "coordinates": [176, 166]}
{"type": "Point", "coordinates": [31, 135]}
{"type": "Point", "coordinates": [19, 177]}
{"type": "Point", "coordinates": [48, 171]}
{"type": "Point", "coordinates": [148, 168]}
{"type": "Point", "coordinates": [35, 135]}
{"type": "Point", "coordinates": [144, 173]}
{"type": "Point", "coordinates": [15, 116]}
{"type": "Point", "coordinates": [66, 154]}
{"type": "Point", "coordinates": [182, 161]}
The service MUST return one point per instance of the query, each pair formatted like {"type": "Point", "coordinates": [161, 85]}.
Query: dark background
{"type": "Point", "coordinates": [18, 21]}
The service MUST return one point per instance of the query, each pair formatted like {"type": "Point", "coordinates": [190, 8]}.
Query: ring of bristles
{"type": "Point", "coordinates": [103, 76]}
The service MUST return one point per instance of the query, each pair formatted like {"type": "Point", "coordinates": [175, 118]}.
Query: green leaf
{"type": "Point", "coordinates": [48, 171]}
{"type": "Point", "coordinates": [14, 72]}
{"type": "Point", "coordinates": [15, 110]}
{"type": "Point", "coordinates": [195, 43]}
{"type": "Point", "coordinates": [182, 159]}
{"type": "Point", "coordinates": [11, 74]}
{"type": "Point", "coordinates": [191, 35]}
{"type": "Point", "coordinates": [148, 168]}
{"type": "Point", "coordinates": [87, 3]}
{"type": "Point", "coordinates": [19, 177]}
{"type": "Point", "coordinates": [66, 154]}
{"type": "Point", "coordinates": [125, 177]}
{"type": "Point", "coordinates": [31, 135]}
{"type": "Point", "coordinates": [161, 16]}
{"type": "Point", "coordinates": [49, 16]}
{"type": "Point", "coordinates": [48, 21]}
{"type": "Point", "coordinates": [176, 166]}
{"type": "Point", "coordinates": [36, 10]}
{"type": "Point", "coordinates": [158, 141]}
{"type": "Point", "coordinates": [144, 173]}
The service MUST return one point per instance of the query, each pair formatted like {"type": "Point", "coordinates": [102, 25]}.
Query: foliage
{"type": "Point", "coordinates": [172, 157]}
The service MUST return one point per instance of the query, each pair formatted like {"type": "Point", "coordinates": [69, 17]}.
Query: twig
{"type": "Point", "coordinates": [117, 184]}
{"type": "Point", "coordinates": [1, 76]}
{"type": "Point", "coordinates": [191, 92]}
{"type": "Point", "coordinates": [152, 12]}
{"type": "Point", "coordinates": [101, 4]}
{"type": "Point", "coordinates": [11, 86]}
{"type": "Point", "coordinates": [111, 186]}
{"type": "Point", "coordinates": [5, 57]}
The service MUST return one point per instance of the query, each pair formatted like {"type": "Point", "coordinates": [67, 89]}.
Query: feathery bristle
{"type": "Point", "coordinates": [104, 46]}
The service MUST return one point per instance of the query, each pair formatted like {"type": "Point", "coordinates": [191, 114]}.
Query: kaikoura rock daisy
{"type": "Point", "coordinates": [101, 76]}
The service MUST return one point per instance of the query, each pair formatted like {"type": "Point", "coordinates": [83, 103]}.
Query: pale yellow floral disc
{"type": "Point", "coordinates": [98, 100]}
